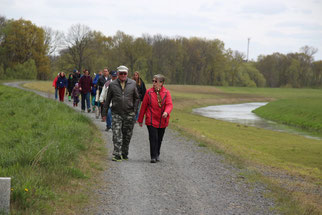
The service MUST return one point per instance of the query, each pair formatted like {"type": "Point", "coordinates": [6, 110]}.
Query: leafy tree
{"type": "Point", "coordinates": [317, 73]}
{"type": "Point", "coordinates": [23, 41]}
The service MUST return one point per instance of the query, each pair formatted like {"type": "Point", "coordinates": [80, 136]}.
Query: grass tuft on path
{"type": "Point", "coordinates": [46, 148]}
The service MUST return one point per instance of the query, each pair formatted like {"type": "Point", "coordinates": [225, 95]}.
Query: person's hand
{"type": "Point", "coordinates": [165, 115]}
{"type": "Point", "coordinates": [104, 118]}
{"type": "Point", "coordinates": [140, 124]}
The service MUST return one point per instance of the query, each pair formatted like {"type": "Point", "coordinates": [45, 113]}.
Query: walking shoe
{"type": "Point", "coordinates": [117, 158]}
{"type": "Point", "coordinates": [89, 110]}
{"type": "Point", "coordinates": [125, 157]}
{"type": "Point", "coordinates": [153, 160]}
{"type": "Point", "coordinates": [107, 128]}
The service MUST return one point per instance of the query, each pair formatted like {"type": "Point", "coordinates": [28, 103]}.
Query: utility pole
{"type": "Point", "coordinates": [248, 48]}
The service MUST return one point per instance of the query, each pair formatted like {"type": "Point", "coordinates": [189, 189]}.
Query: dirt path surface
{"type": "Point", "coordinates": [188, 180]}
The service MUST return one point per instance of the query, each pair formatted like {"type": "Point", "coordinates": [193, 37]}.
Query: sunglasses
{"type": "Point", "coordinates": [122, 73]}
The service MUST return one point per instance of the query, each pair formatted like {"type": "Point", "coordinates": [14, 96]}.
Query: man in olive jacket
{"type": "Point", "coordinates": [125, 99]}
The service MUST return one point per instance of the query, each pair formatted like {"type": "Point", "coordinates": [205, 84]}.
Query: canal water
{"type": "Point", "coordinates": [242, 114]}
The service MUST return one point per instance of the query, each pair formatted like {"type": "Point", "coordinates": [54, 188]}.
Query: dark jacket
{"type": "Point", "coordinates": [123, 101]}
{"type": "Point", "coordinates": [62, 82]}
{"type": "Point", "coordinates": [71, 83]}
{"type": "Point", "coordinates": [141, 90]}
{"type": "Point", "coordinates": [75, 92]}
{"type": "Point", "coordinates": [85, 82]}
{"type": "Point", "coordinates": [100, 83]}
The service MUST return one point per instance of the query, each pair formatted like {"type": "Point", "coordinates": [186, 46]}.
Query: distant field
{"type": "Point", "coordinates": [50, 151]}
{"type": "Point", "coordinates": [290, 164]}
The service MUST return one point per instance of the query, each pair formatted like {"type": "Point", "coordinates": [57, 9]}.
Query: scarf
{"type": "Point", "coordinates": [159, 97]}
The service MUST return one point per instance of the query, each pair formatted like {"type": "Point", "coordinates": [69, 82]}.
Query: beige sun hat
{"type": "Point", "coordinates": [122, 69]}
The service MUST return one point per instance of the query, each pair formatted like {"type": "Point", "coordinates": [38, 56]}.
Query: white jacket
{"type": "Point", "coordinates": [104, 91]}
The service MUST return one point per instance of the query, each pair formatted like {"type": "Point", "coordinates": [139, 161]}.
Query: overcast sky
{"type": "Point", "coordinates": [273, 26]}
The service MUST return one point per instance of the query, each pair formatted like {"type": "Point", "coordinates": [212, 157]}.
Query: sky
{"type": "Point", "coordinates": [282, 26]}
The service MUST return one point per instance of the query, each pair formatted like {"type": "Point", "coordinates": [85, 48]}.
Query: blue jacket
{"type": "Point", "coordinates": [94, 88]}
{"type": "Point", "coordinates": [62, 82]}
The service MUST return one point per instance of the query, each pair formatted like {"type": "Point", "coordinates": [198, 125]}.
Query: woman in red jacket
{"type": "Point", "coordinates": [156, 106]}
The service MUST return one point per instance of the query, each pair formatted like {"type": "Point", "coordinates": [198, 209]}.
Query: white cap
{"type": "Point", "coordinates": [122, 69]}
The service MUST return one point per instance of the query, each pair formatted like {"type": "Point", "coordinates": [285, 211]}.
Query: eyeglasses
{"type": "Point", "coordinates": [154, 81]}
{"type": "Point", "coordinates": [122, 73]}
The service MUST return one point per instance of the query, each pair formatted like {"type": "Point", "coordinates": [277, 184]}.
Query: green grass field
{"type": "Point", "coordinates": [289, 164]}
{"type": "Point", "coordinates": [305, 113]}
{"type": "Point", "coordinates": [50, 151]}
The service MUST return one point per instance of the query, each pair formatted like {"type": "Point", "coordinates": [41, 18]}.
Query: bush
{"type": "Point", "coordinates": [27, 70]}
{"type": "Point", "coordinates": [2, 75]}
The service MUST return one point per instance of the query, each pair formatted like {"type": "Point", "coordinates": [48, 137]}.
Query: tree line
{"type": "Point", "coordinates": [31, 52]}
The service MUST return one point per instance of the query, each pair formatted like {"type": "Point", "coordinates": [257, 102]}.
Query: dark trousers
{"type": "Point", "coordinates": [61, 94]}
{"type": "Point", "coordinates": [155, 137]}
{"type": "Point", "coordinates": [86, 97]}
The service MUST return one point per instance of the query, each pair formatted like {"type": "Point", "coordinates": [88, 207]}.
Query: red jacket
{"type": "Point", "coordinates": [153, 113]}
{"type": "Point", "coordinates": [55, 82]}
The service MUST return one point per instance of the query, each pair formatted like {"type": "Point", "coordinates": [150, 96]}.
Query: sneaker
{"type": "Point", "coordinates": [107, 128]}
{"type": "Point", "coordinates": [89, 110]}
{"type": "Point", "coordinates": [153, 160]}
{"type": "Point", "coordinates": [117, 158]}
{"type": "Point", "coordinates": [125, 157]}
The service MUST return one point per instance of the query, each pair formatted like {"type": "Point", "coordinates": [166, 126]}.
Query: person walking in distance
{"type": "Point", "coordinates": [103, 98]}
{"type": "Point", "coordinates": [55, 85]}
{"type": "Point", "coordinates": [141, 89]}
{"type": "Point", "coordinates": [85, 87]}
{"type": "Point", "coordinates": [71, 84]}
{"type": "Point", "coordinates": [125, 99]}
{"type": "Point", "coordinates": [75, 95]}
{"type": "Point", "coordinates": [62, 83]}
{"type": "Point", "coordinates": [156, 106]}
{"type": "Point", "coordinates": [100, 83]}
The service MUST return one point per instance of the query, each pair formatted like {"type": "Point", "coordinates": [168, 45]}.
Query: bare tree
{"type": "Point", "coordinates": [309, 51]}
{"type": "Point", "coordinates": [77, 42]}
{"type": "Point", "coordinates": [53, 40]}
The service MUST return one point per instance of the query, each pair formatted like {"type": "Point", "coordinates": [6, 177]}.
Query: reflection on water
{"type": "Point", "coordinates": [242, 114]}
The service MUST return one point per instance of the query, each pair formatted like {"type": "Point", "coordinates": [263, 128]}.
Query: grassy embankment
{"type": "Point", "coordinates": [290, 164]}
{"type": "Point", "coordinates": [51, 152]}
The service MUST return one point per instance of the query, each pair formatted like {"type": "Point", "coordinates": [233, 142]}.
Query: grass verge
{"type": "Point", "coordinates": [48, 150]}
{"type": "Point", "coordinates": [305, 113]}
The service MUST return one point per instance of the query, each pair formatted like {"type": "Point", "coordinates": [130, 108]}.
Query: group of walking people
{"type": "Point", "coordinates": [121, 102]}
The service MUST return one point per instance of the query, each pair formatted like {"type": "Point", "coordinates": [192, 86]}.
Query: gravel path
{"type": "Point", "coordinates": [188, 180]}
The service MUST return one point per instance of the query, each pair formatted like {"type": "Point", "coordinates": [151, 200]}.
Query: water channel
{"type": "Point", "coordinates": [242, 114]}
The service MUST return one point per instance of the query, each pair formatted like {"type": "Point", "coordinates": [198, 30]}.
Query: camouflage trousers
{"type": "Point", "coordinates": [122, 127]}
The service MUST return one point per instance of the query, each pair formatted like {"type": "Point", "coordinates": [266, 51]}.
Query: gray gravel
{"type": "Point", "coordinates": [188, 180]}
